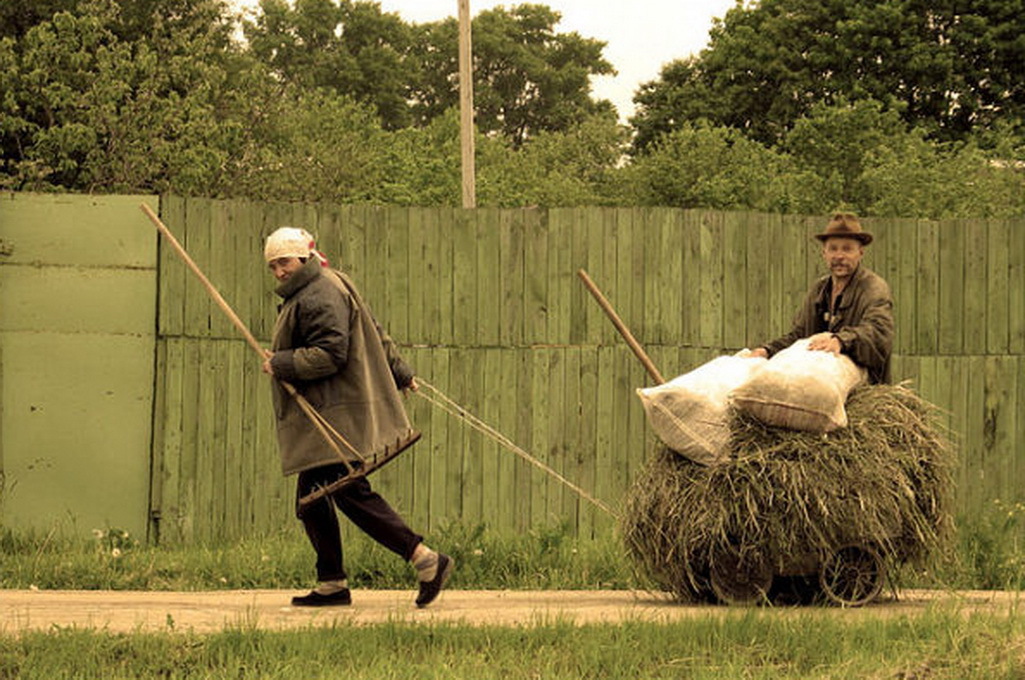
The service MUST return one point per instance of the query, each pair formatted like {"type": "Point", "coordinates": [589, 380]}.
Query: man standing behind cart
{"type": "Point", "coordinates": [848, 311]}
{"type": "Point", "coordinates": [329, 347]}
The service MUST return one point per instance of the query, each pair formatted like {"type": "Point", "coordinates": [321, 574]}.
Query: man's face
{"type": "Point", "coordinates": [842, 256]}
{"type": "Point", "coordinates": [283, 267]}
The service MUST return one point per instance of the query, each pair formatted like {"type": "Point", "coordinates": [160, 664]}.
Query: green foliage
{"type": "Point", "coordinates": [715, 167]}
{"type": "Point", "coordinates": [84, 110]}
{"type": "Point", "coordinates": [989, 553]}
{"type": "Point", "coordinates": [946, 68]}
{"type": "Point", "coordinates": [351, 48]}
{"type": "Point", "coordinates": [572, 168]}
{"type": "Point", "coordinates": [527, 77]}
{"type": "Point", "coordinates": [310, 146]}
{"type": "Point", "coordinates": [795, 107]}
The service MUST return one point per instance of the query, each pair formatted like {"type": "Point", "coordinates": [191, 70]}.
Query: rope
{"type": "Point", "coordinates": [452, 408]}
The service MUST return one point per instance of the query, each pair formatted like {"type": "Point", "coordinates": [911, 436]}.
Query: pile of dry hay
{"type": "Point", "coordinates": [791, 497]}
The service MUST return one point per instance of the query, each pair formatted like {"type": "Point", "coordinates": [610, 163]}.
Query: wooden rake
{"type": "Point", "coordinates": [331, 436]}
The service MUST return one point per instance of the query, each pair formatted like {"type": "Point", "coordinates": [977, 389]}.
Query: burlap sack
{"type": "Point", "coordinates": [800, 389]}
{"type": "Point", "coordinates": [689, 413]}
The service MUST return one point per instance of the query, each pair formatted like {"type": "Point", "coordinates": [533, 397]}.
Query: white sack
{"type": "Point", "coordinates": [800, 389]}
{"type": "Point", "coordinates": [689, 413]}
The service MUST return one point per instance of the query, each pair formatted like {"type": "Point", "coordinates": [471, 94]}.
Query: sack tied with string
{"type": "Point", "coordinates": [689, 414]}
{"type": "Point", "coordinates": [800, 389]}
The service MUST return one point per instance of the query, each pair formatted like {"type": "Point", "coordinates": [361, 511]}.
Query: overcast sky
{"type": "Point", "coordinates": [640, 36]}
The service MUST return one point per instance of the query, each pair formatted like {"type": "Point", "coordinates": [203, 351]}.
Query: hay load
{"type": "Point", "coordinates": [835, 511]}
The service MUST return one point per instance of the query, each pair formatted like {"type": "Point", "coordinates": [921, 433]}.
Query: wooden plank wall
{"type": "Point", "coordinates": [487, 306]}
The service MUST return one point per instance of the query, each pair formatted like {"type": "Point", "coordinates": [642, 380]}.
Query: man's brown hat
{"type": "Point", "coordinates": [845, 225]}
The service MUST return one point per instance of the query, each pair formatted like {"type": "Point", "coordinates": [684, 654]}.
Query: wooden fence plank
{"type": "Point", "coordinates": [511, 254]}
{"type": "Point", "coordinates": [580, 302]}
{"type": "Point", "coordinates": [762, 282]}
{"type": "Point", "coordinates": [906, 235]}
{"type": "Point", "coordinates": [561, 276]}
{"type": "Point", "coordinates": [521, 435]}
{"type": "Point", "coordinates": [464, 305]}
{"type": "Point", "coordinates": [556, 448]}
{"type": "Point", "coordinates": [588, 437]}
{"type": "Point", "coordinates": [509, 414]}
{"type": "Point", "coordinates": [171, 281]}
{"type": "Point", "coordinates": [997, 293]}
{"type": "Point", "coordinates": [999, 424]}
{"type": "Point", "coordinates": [608, 272]}
{"type": "Point", "coordinates": [398, 279]}
{"type": "Point", "coordinates": [976, 247]}
{"type": "Point", "coordinates": [735, 281]}
{"type": "Point", "coordinates": [535, 277]}
{"type": "Point", "coordinates": [489, 452]}
{"type": "Point", "coordinates": [1016, 290]}
{"type": "Point", "coordinates": [976, 452]}
{"type": "Point", "coordinates": [541, 405]}
{"type": "Point", "coordinates": [417, 280]}
{"type": "Point", "coordinates": [437, 324]}
{"type": "Point", "coordinates": [711, 287]}
{"type": "Point", "coordinates": [690, 279]}
{"type": "Point", "coordinates": [489, 301]}
{"type": "Point", "coordinates": [950, 332]}
{"type": "Point", "coordinates": [926, 311]}
{"type": "Point", "coordinates": [441, 451]}
{"type": "Point", "coordinates": [569, 437]}
{"type": "Point", "coordinates": [471, 479]}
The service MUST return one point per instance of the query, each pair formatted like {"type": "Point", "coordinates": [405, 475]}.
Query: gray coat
{"type": "Point", "coordinates": [863, 323]}
{"type": "Point", "coordinates": [332, 350]}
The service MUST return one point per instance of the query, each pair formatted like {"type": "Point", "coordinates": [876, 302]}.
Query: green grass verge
{"type": "Point", "coordinates": [542, 559]}
{"type": "Point", "coordinates": [939, 644]}
{"type": "Point", "coordinates": [987, 555]}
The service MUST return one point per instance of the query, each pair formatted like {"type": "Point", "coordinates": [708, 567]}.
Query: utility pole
{"type": "Point", "coordinates": [466, 107]}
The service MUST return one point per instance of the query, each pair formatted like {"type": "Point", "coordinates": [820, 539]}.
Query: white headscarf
{"type": "Point", "coordinates": [291, 242]}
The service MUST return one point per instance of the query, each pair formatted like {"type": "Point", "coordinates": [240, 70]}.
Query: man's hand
{"type": "Point", "coordinates": [758, 352]}
{"type": "Point", "coordinates": [412, 386]}
{"type": "Point", "coordinates": [266, 368]}
{"type": "Point", "coordinates": [824, 342]}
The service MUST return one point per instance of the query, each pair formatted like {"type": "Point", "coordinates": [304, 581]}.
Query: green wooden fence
{"type": "Point", "coordinates": [487, 306]}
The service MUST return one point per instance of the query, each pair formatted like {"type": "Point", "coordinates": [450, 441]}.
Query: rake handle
{"type": "Point", "coordinates": [316, 419]}
{"type": "Point", "coordinates": [649, 365]}
{"type": "Point", "coordinates": [225, 307]}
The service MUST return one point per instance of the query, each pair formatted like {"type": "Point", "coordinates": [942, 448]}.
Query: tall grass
{"type": "Point", "coordinates": [544, 558]}
{"type": "Point", "coordinates": [988, 554]}
{"type": "Point", "coordinates": [938, 644]}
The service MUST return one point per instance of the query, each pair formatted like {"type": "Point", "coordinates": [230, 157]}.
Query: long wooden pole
{"type": "Point", "coordinates": [621, 327]}
{"type": "Point", "coordinates": [326, 430]}
{"type": "Point", "coordinates": [466, 128]}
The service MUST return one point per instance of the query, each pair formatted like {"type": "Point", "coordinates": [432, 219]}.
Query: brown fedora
{"type": "Point", "coordinates": [845, 225]}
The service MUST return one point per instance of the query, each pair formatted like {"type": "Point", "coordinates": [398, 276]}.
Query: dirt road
{"type": "Point", "coordinates": [121, 611]}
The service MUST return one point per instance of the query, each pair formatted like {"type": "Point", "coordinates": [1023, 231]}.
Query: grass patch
{"type": "Point", "coordinates": [941, 643]}
{"type": "Point", "coordinates": [547, 558]}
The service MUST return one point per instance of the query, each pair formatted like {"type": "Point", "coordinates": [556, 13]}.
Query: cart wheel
{"type": "Point", "coordinates": [852, 576]}
{"type": "Point", "coordinates": [740, 581]}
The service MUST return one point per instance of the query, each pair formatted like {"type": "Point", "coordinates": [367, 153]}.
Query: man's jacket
{"type": "Point", "coordinates": [863, 321]}
{"type": "Point", "coordinates": [329, 347]}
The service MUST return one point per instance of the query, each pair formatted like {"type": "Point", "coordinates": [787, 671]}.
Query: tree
{"type": "Point", "coordinates": [699, 166]}
{"type": "Point", "coordinates": [840, 143]}
{"type": "Point", "coordinates": [351, 48]}
{"type": "Point", "coordinates": [85, 110]}
{"type": "Point", "coordinates": [527, 77]}
{"type": "Point", "coordinates": [576, 167]}
{"type": "Point", "coordinates": [947, 67]}
{"type": "Point", "coordinates": [311, 145]}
